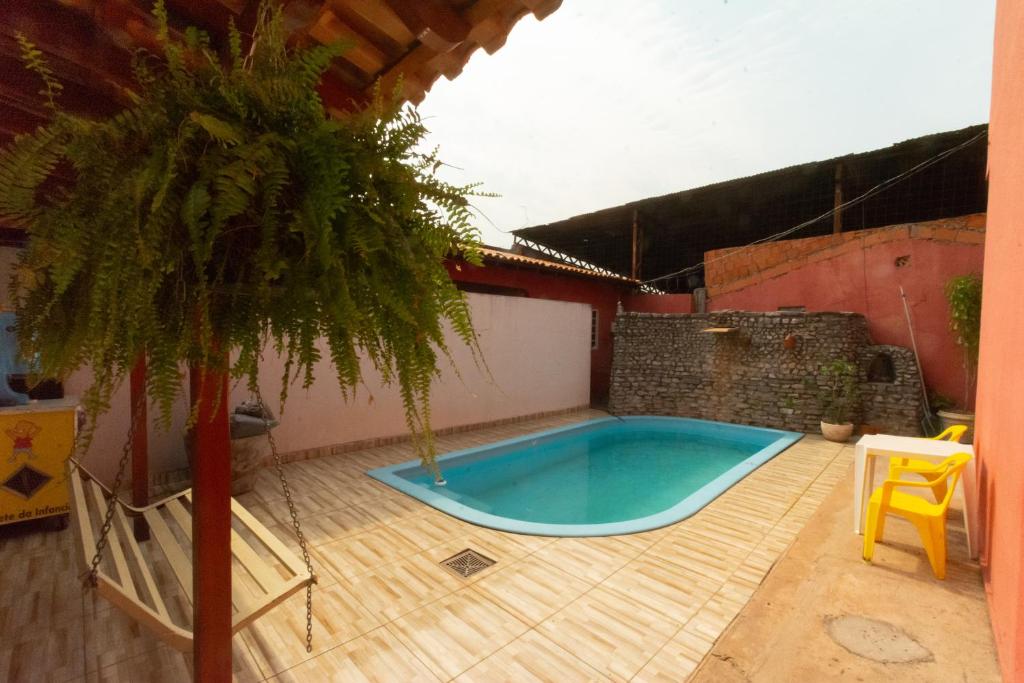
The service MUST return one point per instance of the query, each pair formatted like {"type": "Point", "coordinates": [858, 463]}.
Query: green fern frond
{"type": "Point", "coordinates": [224, 211]}
{"type": "Point", "coordinates": [36, 63]}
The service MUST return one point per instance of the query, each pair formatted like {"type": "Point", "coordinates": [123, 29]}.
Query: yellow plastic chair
{"type": "Point", "coordinates": [929, 518]}
{"type": "Point", "coordinates": [926, 468]}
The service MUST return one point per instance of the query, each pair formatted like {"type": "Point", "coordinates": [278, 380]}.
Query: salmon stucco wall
{"type": "Point", "coordinates": [862, 272]}
{"type": "Point", "coordinates": [1000, 407]}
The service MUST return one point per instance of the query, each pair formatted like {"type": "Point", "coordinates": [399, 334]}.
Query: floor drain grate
{"type": "Point", "coordinates": [466, 563]}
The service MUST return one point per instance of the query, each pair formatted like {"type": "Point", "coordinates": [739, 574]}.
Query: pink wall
{"type": "Point", "coordinates": [1000, 404]}
{"type": "Point", "coordinates": [603, 295]}
{"type": "Point", "coordinates": [537, 356]}
{"type": "Point", "coordinates": [658, 303]}
{"type": "Point", "coordinates": [867, 280]}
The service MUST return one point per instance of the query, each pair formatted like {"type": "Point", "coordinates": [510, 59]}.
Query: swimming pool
{"type": "Point", "coordinates": [598, 478]}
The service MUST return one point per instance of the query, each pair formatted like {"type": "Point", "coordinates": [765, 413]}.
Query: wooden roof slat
{"type": "Point", "coordinates": [330, 29]}
{"type": "Point", "coordinates": [377, 13]}
{"type": "Point", "coordinates": [437, 25]}
{"type": "Point", "coordinates": [89, 44]}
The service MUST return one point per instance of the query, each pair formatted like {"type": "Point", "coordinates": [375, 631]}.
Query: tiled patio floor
{"type": "Point", "coordinates": [641, 607]}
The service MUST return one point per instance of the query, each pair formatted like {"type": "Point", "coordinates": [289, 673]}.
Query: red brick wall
{"type": "Point", "coordinates": [862, 272]}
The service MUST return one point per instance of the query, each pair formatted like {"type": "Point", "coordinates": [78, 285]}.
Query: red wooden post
{"type": "Point", "coordinates": [140, 444]}
{"type": "Point", "coordinates": [211, 527]}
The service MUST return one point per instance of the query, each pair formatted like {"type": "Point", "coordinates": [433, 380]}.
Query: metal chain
{"type": "Point", "coordinates": [279, 466]}
{"type": "Point", "coordinates": [108, 517]}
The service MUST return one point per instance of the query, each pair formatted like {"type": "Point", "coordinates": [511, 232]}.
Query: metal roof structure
{"type": "Point", "coordinates": [673, 231]}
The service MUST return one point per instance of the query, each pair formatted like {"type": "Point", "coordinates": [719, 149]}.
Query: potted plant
{"type": "Point", "coordinates": [223, 213]}
{"type": "Point", "coordinates": [963, 293]}
{"type": "Point", "coordinates": [837, 399]}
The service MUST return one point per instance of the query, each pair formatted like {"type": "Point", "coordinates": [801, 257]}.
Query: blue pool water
{"type": "Point", "coordinates": [602, 477]}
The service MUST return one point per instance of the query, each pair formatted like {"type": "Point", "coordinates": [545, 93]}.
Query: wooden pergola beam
{"type": "Point", "coordinates": [435, 24]}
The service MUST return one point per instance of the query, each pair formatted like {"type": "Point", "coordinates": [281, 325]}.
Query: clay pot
{"type": "Point", "coordinates": [838, 433]}
{"type": "Point", "coordinates": [948, 418]}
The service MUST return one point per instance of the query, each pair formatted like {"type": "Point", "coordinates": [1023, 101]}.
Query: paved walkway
{"type": "Point", "coordinates": [823, 614]}
{"type": "Point", "coordinates": [643, 607]}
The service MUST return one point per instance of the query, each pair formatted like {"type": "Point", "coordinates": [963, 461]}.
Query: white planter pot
{"type": "Point", "coordinates": [948, 418]}
{"type": "Point", "coordinates": [837, 433]}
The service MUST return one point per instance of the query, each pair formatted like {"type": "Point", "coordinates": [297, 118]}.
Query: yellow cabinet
{"type": "Point", "coordinates": [35, 442]}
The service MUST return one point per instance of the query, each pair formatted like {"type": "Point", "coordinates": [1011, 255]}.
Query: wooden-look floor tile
{"type": "Point", "coordinates": [385, 610]}
{"type": "Point", "coordinates": [377, 657]}
{"type": "Point", "coordinates": [677, 660]}
{"type": "Point", "coordinates": [429, 530]}
{"type": "Point", "coordinates": [367, 490]}
{"type": "Point", "coordinates": [669, 588]}
{"type": "Point", "coordinates": [712, 618]}
{"type": "Point", "coordinates": [309, 502]}
{"type": "Point", "coordinates": [277, 640]}
{"type": "Point", "coordinates": [390, 509]}
{"type": "Point", "coordinates": [354, 555]}
{"type": "Point", "coordinates": [337, 524]}
{"type": "Point", "coordinates": [399, 587]}
{"type": "Point", "coordinates": [166, 665]}
{"type": "Point", "coordinates": [531, 658]}
{"type": "Point", "coordinates": [645, 539]}
{"type": "Point", "coordinates": [532, 589]}
{"type": "Point", "coordinates": [60, 652]}
{"type": "Point", "coordinates": [509, 545]}
{"type": "Point", "coordinates": [610, 632]}
{"type": "Point", "coordinates": [456, 632]}
{"type": "Point", "coordinates": [38, 602]}
{"type": "Point", "coordinates": [713, 559]}
{"type": "Point", "coordinates": [590, 559]}
{"type": "Point", "coordinates": [727, 528]}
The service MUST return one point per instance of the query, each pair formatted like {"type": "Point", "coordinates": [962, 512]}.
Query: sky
{"type": "Point", "coordinates": [605, 101]}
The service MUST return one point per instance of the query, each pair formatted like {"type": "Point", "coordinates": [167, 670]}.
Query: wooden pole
{"type": "Point", "coordinates": [634, 271]}
{"type": "Point", "coordinates": [211, 527]}
{"type": "Point", "coordinates": [140, 444]}
{"type": "Point", "coordinates": [837, 217]}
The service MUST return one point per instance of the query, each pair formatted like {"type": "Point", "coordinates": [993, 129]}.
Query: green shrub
{"type": "Point", "coordinates": [838, 397]}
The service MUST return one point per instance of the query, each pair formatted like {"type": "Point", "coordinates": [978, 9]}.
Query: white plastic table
{"type": "Point", "coordinates": [872, 446]}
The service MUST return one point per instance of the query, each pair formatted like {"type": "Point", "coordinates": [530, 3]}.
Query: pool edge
{"type": "Point", "coordinates": [687, 507]}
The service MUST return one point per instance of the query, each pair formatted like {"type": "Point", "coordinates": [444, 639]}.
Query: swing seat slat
{"type": "Point", "coordinates": [264, 571]}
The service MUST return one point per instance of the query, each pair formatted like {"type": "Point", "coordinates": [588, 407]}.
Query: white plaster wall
{"type": "Point", "coordinates": [537, 352]}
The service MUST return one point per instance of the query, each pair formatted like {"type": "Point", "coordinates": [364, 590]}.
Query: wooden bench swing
{"type": "Point", "coordinates": [133, 576]}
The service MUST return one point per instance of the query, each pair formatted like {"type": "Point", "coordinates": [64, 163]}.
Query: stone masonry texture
{"type": "Point", "coordinates": [667, 364]}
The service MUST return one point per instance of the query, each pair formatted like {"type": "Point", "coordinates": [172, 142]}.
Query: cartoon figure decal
{"type": "Point", "coordinates": [22, 434]}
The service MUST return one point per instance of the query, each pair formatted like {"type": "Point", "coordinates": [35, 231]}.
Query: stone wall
{"type": "Point", "coordinates": [665, 364]}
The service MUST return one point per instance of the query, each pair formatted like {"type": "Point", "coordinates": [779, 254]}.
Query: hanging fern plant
{"type": "Point", "coordinates": [224, 210]}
